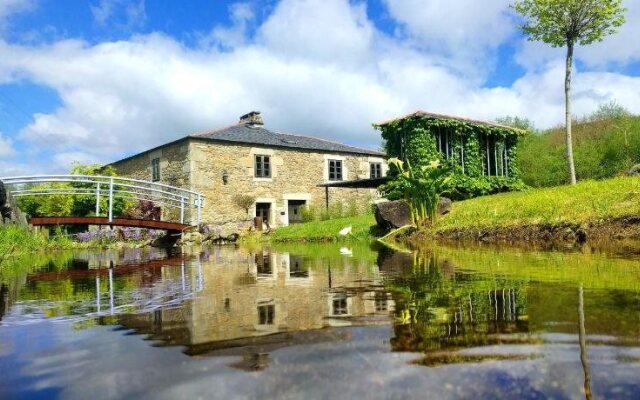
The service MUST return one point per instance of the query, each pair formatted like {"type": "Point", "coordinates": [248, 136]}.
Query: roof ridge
{"type": "Point", "coordinates": [214, 131]}
{"type": "Point", "coordinates": [420, 113]}
{"type": "Point", "coordinates": [328, 141]}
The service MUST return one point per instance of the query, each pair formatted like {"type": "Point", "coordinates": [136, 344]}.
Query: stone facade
{"type": "Point", "coordinates": [203, 165]}
{"type": "Point", "coordinates": [299, 291]}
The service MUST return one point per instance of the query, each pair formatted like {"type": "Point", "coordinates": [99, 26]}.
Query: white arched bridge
{"type": "Point", "coordinates": [179, 208]}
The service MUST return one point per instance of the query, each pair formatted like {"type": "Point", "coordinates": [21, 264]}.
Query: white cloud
{"type": "Point", "coordinates": [10, 7]}
{"type": "Point", "coordinates": [6, 147]}
{"type": "Point", "coordinates": [132, 12]}
{"type": "Point", "coordinates": [242, 15]}
{"type": "Point", "coordinates": [318, 68]}
{"type": "Point", "coordinates": [466, 31]}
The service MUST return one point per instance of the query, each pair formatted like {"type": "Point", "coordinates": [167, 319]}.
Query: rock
{"type": "Point", "coordinates": [392, 214]}
{"type": "Point", "coordinates": [444, 207]}
{"type": "Point", "coordinates": [233, 237]}
{"type": "Point", "coordinates": [190, 238]}
{"type": "Point", "coordinates": [634, 171]}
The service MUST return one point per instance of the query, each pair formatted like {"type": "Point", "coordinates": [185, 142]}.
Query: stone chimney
{"type": "Point", "coordinates": [252, 118]}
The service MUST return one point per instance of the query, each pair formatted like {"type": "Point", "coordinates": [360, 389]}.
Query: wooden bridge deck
{"type": "Point", "coordinates": [128, 222]}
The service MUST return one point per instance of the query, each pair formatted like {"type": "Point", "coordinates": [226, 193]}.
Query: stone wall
{"type": "Point", "coordinates": [199, 165]}
{"type": "Point", "coordinates": [295, 175]}
{"type": "Point", "coordinates": [174, 170]}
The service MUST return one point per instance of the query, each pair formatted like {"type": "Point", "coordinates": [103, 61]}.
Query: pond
{"type": "Point", "coordinates": [320, 321]}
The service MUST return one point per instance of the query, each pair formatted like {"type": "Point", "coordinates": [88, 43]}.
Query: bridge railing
{"type": "Point", "coordinates": [177, 204]}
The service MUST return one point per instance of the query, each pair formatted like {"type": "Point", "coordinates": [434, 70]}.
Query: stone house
{"type": "Point", "coordinates": [281, 171]}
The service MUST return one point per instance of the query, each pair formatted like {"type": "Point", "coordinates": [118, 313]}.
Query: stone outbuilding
{"type": "Point", "coordinates": [282, 172]}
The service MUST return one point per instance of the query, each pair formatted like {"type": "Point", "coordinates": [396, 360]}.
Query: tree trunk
{"type": "Point", "coordinates": [567, 95]}
{"type": "Point", "coordinates": [582, 338]}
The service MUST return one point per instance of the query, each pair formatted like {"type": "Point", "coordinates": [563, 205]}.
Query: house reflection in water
{"type": "Point", "coordinates": [254, 302]}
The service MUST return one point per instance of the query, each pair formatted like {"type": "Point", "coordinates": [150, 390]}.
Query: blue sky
{"type": "Point", "coordinates": [98, 80]}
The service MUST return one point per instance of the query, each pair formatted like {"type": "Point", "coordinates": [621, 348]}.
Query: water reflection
{"type": "Point", "coordinates": [257, 300]}
{"type": "Point", "coordinates": [466, 316]}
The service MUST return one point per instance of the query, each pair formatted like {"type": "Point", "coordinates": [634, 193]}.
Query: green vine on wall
{"type": "Point", "coordinates": [415, 139]}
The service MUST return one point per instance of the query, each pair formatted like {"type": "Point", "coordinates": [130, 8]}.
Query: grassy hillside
{"type": "Point", "coordinates": [602, 148]}
{"type": "Point", "coordinates": [586, 201]}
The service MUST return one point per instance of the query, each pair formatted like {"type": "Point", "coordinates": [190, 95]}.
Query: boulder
{"type": "Point", "coordinates": [190, 238]}
{"type": "Point", "coordinates": [444, 207]}
{"type": "Point", "coordinates": [392, 214]}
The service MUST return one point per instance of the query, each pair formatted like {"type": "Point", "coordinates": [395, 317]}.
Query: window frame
{"type": "Point", "coordinates": [155, 169]}
{"type": "Point", "coordinates": [377, 168]}
{"type": "Point", "coordinates": [260, 161]}
{"type": "Point", "coordinates": [337, 167]}
{"type": "Point", "coordinates": [266, 314]}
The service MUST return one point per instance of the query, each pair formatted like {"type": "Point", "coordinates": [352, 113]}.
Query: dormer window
{"type": "Point", "coordinates": [335, 170]}
{"type": "Point", "coordinates": [263, 167]}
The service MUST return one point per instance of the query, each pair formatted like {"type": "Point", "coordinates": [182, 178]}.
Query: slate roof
{"type": "Point", "coordinates": [254, 134]}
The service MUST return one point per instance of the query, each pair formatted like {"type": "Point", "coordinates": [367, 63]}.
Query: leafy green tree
{"type": "Point", "coordinates": [611, 110]}
{"type": "Point", "coordinates": [517, 122]}
{"type": "Point", "coordinates": [63, 204]}
{"type": "Point", "coordinates": [569, 23]}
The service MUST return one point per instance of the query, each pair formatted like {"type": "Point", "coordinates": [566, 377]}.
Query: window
{"type": "Point", "coordinates": [263, 167]}
{"type": "Point", "coordinates": [495, 157]}
{"type": "Point", "coordinates": [340, 306]}
{"type": "Point", "coordinates": [381, 302]}
{"type": "Point", "coordinates": [266, 314]}
{"type": "Point", "coordinates": [155, 169]}
{"type": "Point", "coordinates": [263, 264]}
{"type": "Point", "coordinates": [335, 170]}
{"type": "Point", "coordinates": [296, 268]}
{"type": "Point", "coordinates": [375, 170]}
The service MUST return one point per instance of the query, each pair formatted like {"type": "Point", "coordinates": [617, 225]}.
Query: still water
{"type": "Point", "coordinates": [320, 321]}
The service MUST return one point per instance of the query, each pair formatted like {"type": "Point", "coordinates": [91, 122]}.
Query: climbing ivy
{"type": "Point", "coordinates": [414, 139]}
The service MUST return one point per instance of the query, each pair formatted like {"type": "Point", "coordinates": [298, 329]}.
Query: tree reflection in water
{"type": "Point", "coordinates": [439, 308]}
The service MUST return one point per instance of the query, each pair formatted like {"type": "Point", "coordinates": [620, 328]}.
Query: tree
{"type": "Point", "coordinates": [563, 23]}
{"type": "Point", "coordinates": [244, 201]}
{"type": "Point", "coordinates": [516, 122]}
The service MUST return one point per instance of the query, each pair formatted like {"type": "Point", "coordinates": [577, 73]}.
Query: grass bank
{"type": "Point", "coordinates": [608, 205]}
{"type": "Point", "coordinates": [585, 201]}
{"type": "Point", "coordinates": [363, 227]}
{"type": "Point", "coordinates": [16, 240]}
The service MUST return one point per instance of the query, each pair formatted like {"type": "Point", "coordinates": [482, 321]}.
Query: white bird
{"type": "Point", "coordinates": [345, 231]}
{"type": "Point", "coordinates": [345, 251]}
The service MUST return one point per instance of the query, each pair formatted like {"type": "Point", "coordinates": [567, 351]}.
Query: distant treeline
{"type": "Point", "coordinates": [605, 144]}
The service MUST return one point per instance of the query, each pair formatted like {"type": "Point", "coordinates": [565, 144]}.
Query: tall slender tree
{"type": "Point", "coordinates": [569, 23]}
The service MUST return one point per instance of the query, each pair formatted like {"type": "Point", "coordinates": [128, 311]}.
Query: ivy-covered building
{"type": "Point", "coordinates": [482, 154]}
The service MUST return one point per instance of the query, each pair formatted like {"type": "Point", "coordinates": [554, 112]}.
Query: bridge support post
{"type": "Point", "coordinates": [98, 199]}
{"type": "Point", "coordinates": [111, 200]}
{"type": "Point", "coordinates": [182, 210]}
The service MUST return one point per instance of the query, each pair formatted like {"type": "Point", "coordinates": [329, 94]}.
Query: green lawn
{"type": "Point", "coordinates": [363, 228]}
{"type": "Point", "coordinates": [586, 201]}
